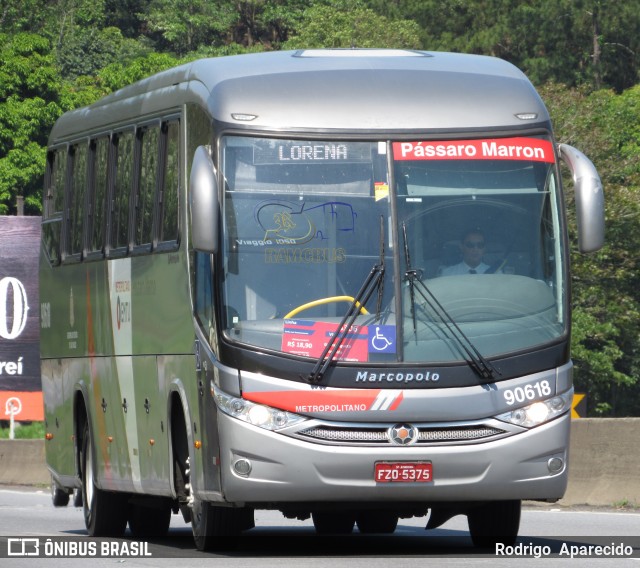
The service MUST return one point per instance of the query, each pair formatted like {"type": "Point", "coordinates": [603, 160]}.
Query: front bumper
{"type": "Point", "coordinates": [289, 470]}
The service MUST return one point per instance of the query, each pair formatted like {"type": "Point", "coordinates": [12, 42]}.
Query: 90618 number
{"type": "Point", "coordinates": [528, 392]}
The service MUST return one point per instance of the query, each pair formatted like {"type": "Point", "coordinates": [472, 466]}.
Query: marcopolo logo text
{"type": "Point", "coordinates": [369, 377]}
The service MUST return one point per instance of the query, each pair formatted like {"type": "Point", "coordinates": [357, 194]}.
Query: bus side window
{"type": "Point", "coordinates": [119, 220]}
{"type": "Point", "coordinates": [76, 201]}
{"type": "Point", "coordinates": [54, 194]}
{"type": "Point", "coordinates": [204, 292]}
{"type": "Point", "coordinates": [97, 199]}
{"type": "Point", "coordinates": [169, 183]}
{"type": "Point", "coordinates": [149, 138]}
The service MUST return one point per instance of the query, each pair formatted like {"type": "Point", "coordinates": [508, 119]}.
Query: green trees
{"type": "Point", "coordinates": [333, 25]}
{"type": "Point", "coordinates": [583, 55]}
{"type": "Point", "coordinates": [605, 285]}
{"type": "Point", "coordinates": [592, 42]}
{"type": "Point", "coordinates": [182, 26]}
{"type": "Point", "coordinates": [29, 105]}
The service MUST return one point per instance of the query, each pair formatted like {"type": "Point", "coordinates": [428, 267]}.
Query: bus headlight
{"type": "Point", "coordinates": [257, 414]}
{"type": "Point", "coordinates": [539, 412]}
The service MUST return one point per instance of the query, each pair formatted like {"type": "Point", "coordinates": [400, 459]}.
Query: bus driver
{"type": "Point", "coordinates": [472, 247]}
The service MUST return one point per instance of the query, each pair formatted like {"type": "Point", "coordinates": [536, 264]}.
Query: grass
{"type": "Point", "coordinates": [626, 505]}
{"type": "Point", "coordinates": [23, 431]}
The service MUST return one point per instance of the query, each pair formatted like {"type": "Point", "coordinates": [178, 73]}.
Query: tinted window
{"type": "Point", "coordinates": [149, 139]}
{"type": "Point", "coordinates": [77, 191]}
{"type": "Point", "coordinates": [97, 214]}
{"type": "Point", "coordinates": [171, 187]}
{"type": "Point", "coordinates": [122, 190]}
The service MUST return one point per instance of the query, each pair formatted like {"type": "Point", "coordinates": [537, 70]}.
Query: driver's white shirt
{"type": "Point", "coordinates": [464, 268]}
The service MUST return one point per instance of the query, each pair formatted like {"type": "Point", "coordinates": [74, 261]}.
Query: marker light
{"type": "Point", "coordinates": [257, 414]}
{"type": "Point", "coordinates": [527, 115]}
{"type": "Point", "coordinates": [539, 412]}
{"type": "Point", "coordinates": [243, 116]}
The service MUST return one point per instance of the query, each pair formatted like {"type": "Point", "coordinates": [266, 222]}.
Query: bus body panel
{"type": "Point", "coordinates": [381, 403]}
{"type": "Point", "coordinates": [58, 394]}
{"type": "Point", "coordinates": [106, 308]}
{"type": "Point", "coordinates": [112, 317]}
{"type": "Point", "coordinates": [128, 413]}
{"type": "Point", "coordinates": [456, 91]}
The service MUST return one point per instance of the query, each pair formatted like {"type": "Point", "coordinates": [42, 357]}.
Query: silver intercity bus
{"type": "Point", "coordinates": [333, 283]}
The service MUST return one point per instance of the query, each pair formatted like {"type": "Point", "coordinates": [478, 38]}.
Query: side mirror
{"type": "Point", "coordinates": [203, 193]}
{"type": "Point", "coordinates": [589, 198]}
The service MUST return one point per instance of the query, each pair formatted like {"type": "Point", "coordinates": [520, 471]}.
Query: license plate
{"type": "Point", "coordinates": [403, 472]}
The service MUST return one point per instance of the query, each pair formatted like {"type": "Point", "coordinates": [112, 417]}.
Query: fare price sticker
{"type": "Point", "coordinates": [309, 338]}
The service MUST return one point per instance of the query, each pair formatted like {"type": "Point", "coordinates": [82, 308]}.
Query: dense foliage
{"type": "Point", "coordinates": [583, 55]}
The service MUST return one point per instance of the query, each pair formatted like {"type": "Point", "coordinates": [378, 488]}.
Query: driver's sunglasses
{"type": "Point", "coordinates": [474, 244]}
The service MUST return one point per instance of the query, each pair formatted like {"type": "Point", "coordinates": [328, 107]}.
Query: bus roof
{"type": "Point", "coordinates": [345, 90]}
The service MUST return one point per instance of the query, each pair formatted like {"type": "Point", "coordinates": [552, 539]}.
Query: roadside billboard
{"type": "Point", "coordinates": [20, 385]}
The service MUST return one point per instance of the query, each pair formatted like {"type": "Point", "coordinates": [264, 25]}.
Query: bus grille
{"type": "Point", "coordinates": [379, 435]}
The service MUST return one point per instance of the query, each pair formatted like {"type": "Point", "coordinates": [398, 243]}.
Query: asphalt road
{"type": "Point", "coordinates": [548, 534]}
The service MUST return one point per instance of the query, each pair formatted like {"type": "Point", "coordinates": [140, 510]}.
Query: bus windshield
{"type": "Point", "coordinates": [468, 233]}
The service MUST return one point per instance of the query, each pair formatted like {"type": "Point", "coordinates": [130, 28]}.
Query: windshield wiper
{"type": "Point", "coordinates": [375, 279]}
{"type": "Point", "coordinates": [474, 358]}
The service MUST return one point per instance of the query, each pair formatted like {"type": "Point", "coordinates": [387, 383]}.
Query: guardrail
{"type": "Point", "coordinates": [604, 464]}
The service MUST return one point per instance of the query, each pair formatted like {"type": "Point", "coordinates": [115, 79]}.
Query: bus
{"type": "Point", "coordinates": [248, 302]}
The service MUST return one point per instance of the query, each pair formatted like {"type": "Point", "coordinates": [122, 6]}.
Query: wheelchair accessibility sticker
{"type": "Point", "coordinates": [382, 339]}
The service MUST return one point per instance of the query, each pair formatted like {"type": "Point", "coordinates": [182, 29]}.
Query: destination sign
{"type": "Point", "coordinates": [310, 152]}
{"type": "Point", "coordinates": [521, 148]}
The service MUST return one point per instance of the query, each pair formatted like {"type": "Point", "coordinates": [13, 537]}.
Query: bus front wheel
{"type": "Point", "coordinates": [494, 522]}
{"type": "Point", "coordinates": [212, 525]}
{"type": "Point", "coordinates": [149, 521]}
{"type": "Point", "coordinates": [105, 514]}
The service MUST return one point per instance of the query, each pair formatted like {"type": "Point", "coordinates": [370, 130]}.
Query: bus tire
{"type": "Point", "coordinates": [215, 527]}
{"type": "Point", "coordinates": [59, 496]}
{"type": "Point", "coordinates": [333, 522]}
{"type": "Point", "coordinates": [77, 497]}
{"type": "Point", "coordinates": [377, 522]}
{"type": "Point", "coordinates": [495, 522]}
{"type": "Point", "coordinates": [149, 522]}
{"type": "Point", "coordinates": [105, 513]}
